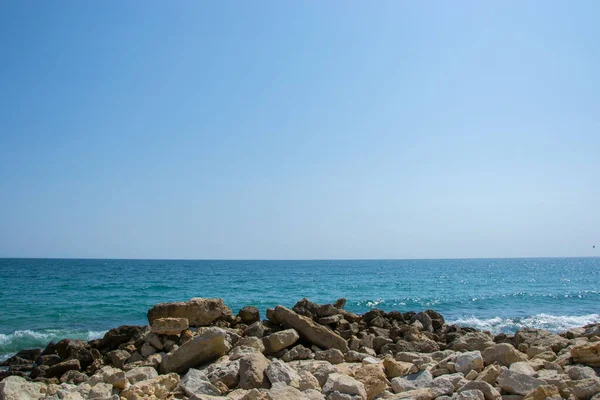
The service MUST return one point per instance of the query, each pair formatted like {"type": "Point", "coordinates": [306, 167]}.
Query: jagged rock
{"type": "Point", "coordinates": [198, 311]}
{"type": "Point", "coordinates": [281, 391]}
{"type": "Point", "coordinates": [207, 346]}
{"type": "Point", "coordinates": [118, 357]}
{"type": "Point", "coordinates": [59, 369]}
{"type": "Point", "coordinates": [344, 384]}
{"type": "Point", "coordinates": [373, 378]}
{"type": "Point", "coordinates": [415, 394]}
{"type": "Point", "coordinates": [298, 352]}
{"type": "Point", "coordinates": [17, 388]}
{"type": "Point", "coordinates": [280, 340]}
{"type": "Point", "coordinates": [469, 361]}
{"type": "Point", "coordinates": [542, 392]}
{"type": "Point", "coordinates": [472, 341]}
{"type": "Point", "coordinates": [118, 336]}
{"type": "Point", "coordinates": [256, 329]}
{"type": "Point", "coordinates": [333, 356]}
{"type": "Point", "coordinates": [518, 383]}
{"type": "Point", "coordinates": [279, 372]}
{"type": "Point", "coordinates": [117, 379]}
{"type": "Point", "coordinates": [49, 359]}
{"type": "Point", "coordinates": [540, 338]}
{"type": "Point", "coordinates": [587, 354]}
{"type": "Point", "coordinates": [73, 376]}
{"type": "Point", "coordinates": [442, 387]}
{"type": "Point", "coordinates": [502, 353]}
{"type": "Point", "coordinates": [395, 368]}
{"type": "Point", "coordinates": [169, 325]}
{"type": "Point", "coordinates": [306, 308]}
{"type": "Point", "coordinates": [308, 381]}
{"type": "Point", "coordinates": [584, 388]}
{"type": "Point", "coordinates": [473, 394]}
{"type": "Point", "coordinates": [591, 330]}
{"type": "Point", "coordinates": [139, 374]}
{"type": "Point", "coordinates": [195, 382]}
{"type": "Point", "coordinates": [253, 371]}
{"type": "Point", "coordinates": [69, 349]}
{"type": "Point", "coordinates": [224, 372]}
{"type": "Point", "coordinates": [419, 380]}
{"type": "Point", "coordinates": [489, 392]}
{"type": "Point", "coordinates": [310, 330]}
{"type": "Point", "coordinates": [489, 374]}
{"type": "Point", "coordinates": [157, 388]}
{"type": "Point", "coordinates": [100, 391]}
{"type": "Point", "coordinates": [577, 372]}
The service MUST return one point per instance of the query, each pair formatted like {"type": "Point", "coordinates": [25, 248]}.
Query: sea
{"type": "Point", "coordinates": [49, 299]}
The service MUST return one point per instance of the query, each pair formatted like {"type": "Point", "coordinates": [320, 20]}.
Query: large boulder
{"type": "Point", "coordinates": [17, 388]}
{"type": "Point", "coordinates": [69, 349]}
{"type": "Point", "coordinates": [518, 383]}
{"type": "Point", "coordinates": [502, 353]}
{"type": "Point", "coordinates": [253, 368]}
{"type": "Point", "coordinates": [280, 340]}
{"type": "Point", "coordinates": [588, 354]}
{"type": "Point", "coordinates": [205, 347]}
{"type": "Point", "coordinates": [310, 330]}
{"type": "Point", "coordinates": [198, 311]}
{"type": "Point", "coordinates": [170, 326]}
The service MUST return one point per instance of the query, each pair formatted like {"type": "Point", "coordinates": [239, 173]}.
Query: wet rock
{"type": "Point", "coordinates": [118, 336]}
{"type": "Point", "coordinates": [205, 347]}
{"type": "Point", "coordinates": [306, 308]}
{"type": "Point", "coordinates": [310, 330]}
{"type": "Point", "coordinates": [540, 338]}
{"type": "Point", "coordinates": [198, 311]}
{"type": "Point", "coordinates": [77, 349]}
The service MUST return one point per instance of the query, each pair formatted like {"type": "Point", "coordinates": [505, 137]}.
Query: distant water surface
{"type": "Point", "coordinates": [48, 299]}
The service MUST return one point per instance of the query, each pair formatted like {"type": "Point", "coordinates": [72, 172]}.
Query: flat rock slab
{"type": "Point", "coordinates": [203, 348]}
{"type": "Point", "coordinates": [310, 330]}
{"type": "Point", "coordinates": [198, 311]}
{"type": "Point", "coordinates": [170, 326]}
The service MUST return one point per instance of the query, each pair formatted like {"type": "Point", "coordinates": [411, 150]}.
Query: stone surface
{"type": "Point", "coordinates": [17, 388]}
{"type": "Point", "coordinates": [169, 325]}
{"type": "Point", "coordinates": [502, 353]}
{"type": "Point", "coordinates": [469, 361]}
{"type": "Point", "coordinates": [587, 354]}
{"type": "Point", "coordinates": [253, 371]}
{"type": "Point", "coordinates": [249, 315]}
{"type": "Point", "coordinates": [518, 383]}
{"type": "Point", "coordinates": [473, 394]}
{"type": "Point", "coordinates": [542, 392]}
{"type": "Point", "coordinates": [118, 357]}
{"type": "Point", "coordinates": [205, 347]}
{"type": "Point", "coordinates": [281, 391]}
{"type": "Point", "coordinates": [489, 392]}
{"type": "Point", "coordinates": [345, 385]}
{"type": "Point", "coordinates": [280, 372]}
{"type": "Point", "coordinates": [577, 372]}
{"type": "Point", "coordinates": [59, 369]}
{"type": "Point", "coordinates": [584, 388]}
{"type": "Point", "coordinates": [333, 356]}
{"type": "Point", "coordinates": [394, 368]}
{"type": "Point", "coordinates": [195, 382]}
{"type": "Point", "coordinates": [198, 311]}
{"type": "Point", "coordinates": [472, 341]}
{"type": "Point", "coordinates": [157, 388]}
{"type": "Point", "coordinates": [540, 338]}
{"type": "Point", "coordinates": [280, 340]}
{"type": "Point", "coordinates": [373, 378]}
{"type": "Point", "coordinates": [310, 330]}
{"type": "Point", "coordinates": [139, 374]}
{"type": "Point", "coordinates": [419, 380]}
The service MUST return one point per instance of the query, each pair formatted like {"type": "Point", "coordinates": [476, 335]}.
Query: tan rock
{"type": "Point", "coordinates": [344, 384]}
{"type": "Point", "coordinates": [198, 311]}
{"type": "Point", "coordinates": [169, 326]}
{"type": "Point", "coordinates": [395, 368]}
{"type": "Point", "coordinates": [373, 377]}
{"type": "Point", "coordinates": [542, 392]}
{"type": "Point", "coordinates": [472, 341]}
{"type": "Point", "coordinates": [157, 388]}
{"type": "Point", "coordinates": [502, 353]}
{"type": "Point", "coordinates": [17, 388]}
{"type": "Point", "coordinates": [253, 369]}
{"type": "Point", "coordinates": [587, 354]}
{"type": "Point", "coordinates": [310, 330]}
{"type": "Point", "coordinates": [280, 340]}
{"type": "Point", "coordinates": [489, 392]}
{"type": "Point", "coordinates": [489, 374]}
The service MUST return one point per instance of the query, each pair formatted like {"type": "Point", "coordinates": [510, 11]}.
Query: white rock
{"type": "Point", "coordinates": [469, 361]}
{"type": "Point", "coordinates": [17, 388]}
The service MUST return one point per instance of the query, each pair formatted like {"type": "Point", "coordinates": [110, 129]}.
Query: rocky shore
{"type": "Point", "coordinates": [198, 350]}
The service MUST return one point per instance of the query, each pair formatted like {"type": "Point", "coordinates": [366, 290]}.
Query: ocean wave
{"type": "Point", "coordinates": [553, 323]}
{"type": "Point", "coordinates": [24, 339]}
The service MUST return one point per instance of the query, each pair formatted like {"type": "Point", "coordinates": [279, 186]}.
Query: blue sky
{"type": "Point", "coordinates": [299, 129]}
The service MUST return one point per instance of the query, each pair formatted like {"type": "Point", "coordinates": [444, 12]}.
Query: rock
{"type": "Point", "coordinates": [522, 367]}
{"type": "Point", "coordinates": [340, 303]}
{"type": "Point", "coordinates": [489, 392]}
{"type": "Point", "coordinates": [69, 349]}
{"type": "Point", "coordinates": [100, 391]}
{"type": "Point", "coordinates": [502, 353]}
{"type": "Point", "coordinates": [395, 368]}
{"type": "Point", "coordinates": [489, 374]}
{"type": "Point", "coordinates": [280, 340]}
{"type": "Point", "coordinates": [253, 371]}
{"type": "Point", "coordinates": [147, 350]}
{"type": "Point", "coordinates": [117, 379]}
{"type": "Point", "coordinates": [415, 394]}
{"type": "Point", "coordinates": [224, 372]}
{"type": "Point", "coordinates": [542, 392]}
{"type": "Point", "coordinates": [306, 308]}
{"type": "Point", "coordinates": [442, 387]}
{"type": "Point", "coordinates": [279, 372]}
{"type": "Point", "coordinates": [308, 381]}
{"type": "Point", "coordinates": [584, 388]}
{"type": "Point", "coordinates": [73, 376]}
{"type": "Point", "coordinates": [298, 352]}
{"type": "Point", "coordinates": [591, 330]}
{"type": "Point", "coordinates": [518, 383]}
{"type": "Point", "coordinates": [281, 391]}
{"type": "Point", "coordinates": [310, 330]}
{"type": "Point", "coordinates": [469, 361]}
{"type": "Point", "coordinates": [425, 320]}
{"type": "Point", "coordinates": [207, 346]}
{"type": "Point", "coordinates": [587, 354]}
{"type": "Point", "coordinates": [49, 359]}
{"type": "Point", "coordinates": [118, 357]}
{"type": "Point", "coordinates": [334, 356]}
{"type": "Point", "coordinates": [198, 311]}
{"type": "Point", "coordinates": [473, 394]}
{"type": "Point", "coordinates": [419, 380]}
{"type": "Point", "coordinates": [373, 378]}
{"type": "Point", "coordinates": [118, 336]}
{"type": "Point", "coordinates": [169, 326]}
{"type": "Point", "coordinates": [472, 341]}
{"type": "Point", "coordinates": [344, 385]}
{"type": "Point", "coordinates": [577, 373]}
{"type": "Point", "coordinates": [540, 338]}
{"type": "Point", "coordinates": [253, 342]}
{"type": "Point", "coordinates": [59, 369]}
{"type": "Point", "coordinates": [195, 382]}
{"type": "Point", "coordinates": [139, 374]}
{"type": "Point", "coordinates": [256, 329]}
{"type": "Point", "coordinates": [17, 388]}
{"type": "Point", "coordinates": [157, 388]}
{"type": "Point", "coordinates": [249, 315]}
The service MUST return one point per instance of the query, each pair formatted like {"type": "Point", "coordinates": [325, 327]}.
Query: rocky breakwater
{"type": "Point", "coordinates": [198, 350]}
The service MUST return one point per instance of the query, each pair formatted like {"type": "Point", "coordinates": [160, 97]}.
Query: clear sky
{"type": "Point", "coordinates": [310, 129]}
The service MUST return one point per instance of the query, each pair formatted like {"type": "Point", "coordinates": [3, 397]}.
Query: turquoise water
{"type": "Point", "coordinates": [46, 299]}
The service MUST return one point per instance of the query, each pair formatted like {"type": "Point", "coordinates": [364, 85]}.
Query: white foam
{"type": "Point", "coordinates": [553, 323]}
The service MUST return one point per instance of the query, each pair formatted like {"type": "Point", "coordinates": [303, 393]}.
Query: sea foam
{"type": "Point", "coordinates": [553, 323]}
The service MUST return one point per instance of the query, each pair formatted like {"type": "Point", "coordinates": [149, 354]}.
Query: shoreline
{"type": "Point", "coordinates": [379, 354]}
